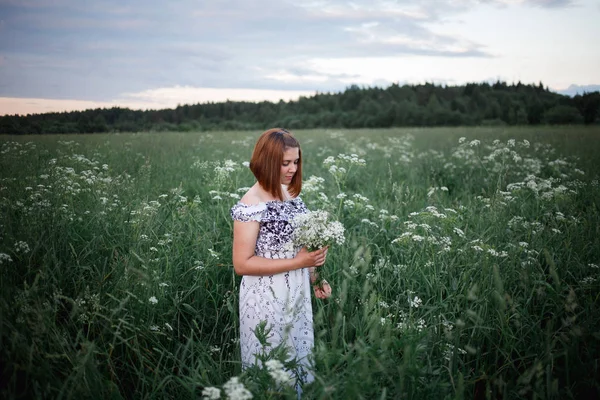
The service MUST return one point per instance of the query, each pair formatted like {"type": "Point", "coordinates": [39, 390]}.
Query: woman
{"type": "Point", "coordinates": [275, 285]}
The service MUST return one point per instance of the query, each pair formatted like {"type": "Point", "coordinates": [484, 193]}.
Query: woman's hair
{"type": "Point", "coordinates": [267, 159]}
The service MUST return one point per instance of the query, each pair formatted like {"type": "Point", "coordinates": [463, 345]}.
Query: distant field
{"type": "Point", "coordinates": [471, 268]}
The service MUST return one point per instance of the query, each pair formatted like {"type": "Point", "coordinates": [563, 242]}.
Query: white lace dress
{"type": "Point", "coordinates": [282, 300]}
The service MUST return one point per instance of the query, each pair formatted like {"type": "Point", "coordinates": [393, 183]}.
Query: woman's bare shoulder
{"type": "Point", "coordinates": [255, 195]}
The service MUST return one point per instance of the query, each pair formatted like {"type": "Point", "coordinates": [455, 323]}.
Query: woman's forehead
{"type": "Point", "coordinates": [291, 153]}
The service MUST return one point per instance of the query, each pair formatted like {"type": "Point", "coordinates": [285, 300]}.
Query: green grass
{"type": "Point", "coordinates": [503, 255]}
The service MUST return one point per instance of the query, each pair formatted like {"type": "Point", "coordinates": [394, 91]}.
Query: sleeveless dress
{"type": "Point", "coordinates": [283, 300]}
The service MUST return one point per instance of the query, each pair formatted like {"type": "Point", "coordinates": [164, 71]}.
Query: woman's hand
{"type": "Point", "coordinates": [312, 258]}
{"type": "Point", "coordinates": [322, 289]}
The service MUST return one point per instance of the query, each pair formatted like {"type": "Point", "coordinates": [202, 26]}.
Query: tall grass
{"type": "Point", "coordinates": [470, 270]}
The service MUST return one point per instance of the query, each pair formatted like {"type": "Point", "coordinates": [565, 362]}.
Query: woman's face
{"type": "Point", "coordinates": [289, 166]}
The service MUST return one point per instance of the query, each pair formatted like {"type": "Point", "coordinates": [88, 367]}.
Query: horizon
{"type": "Point", "coordinates": [78, 106]}
{"type": "Point", "coordinates": [60, 55]}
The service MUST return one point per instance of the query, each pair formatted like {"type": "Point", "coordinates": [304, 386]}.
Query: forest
{"type": "Point", "coordinates": [473, 104]}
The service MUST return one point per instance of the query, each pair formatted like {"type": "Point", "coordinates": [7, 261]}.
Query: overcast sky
{"type": "Point", "coordinates": [74, 54]}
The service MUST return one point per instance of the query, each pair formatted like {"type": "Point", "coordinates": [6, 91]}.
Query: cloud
{"type": "Point", "coordinates": [537, 3]}
{"type": "Point", "coordinates": [98, 50]}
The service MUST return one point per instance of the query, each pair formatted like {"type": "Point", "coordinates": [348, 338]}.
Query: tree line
{"type": "Point", "coordinates": [356, 107]}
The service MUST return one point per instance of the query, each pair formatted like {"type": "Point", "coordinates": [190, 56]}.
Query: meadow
{"type": "Point", "coordinates": [470, 268]}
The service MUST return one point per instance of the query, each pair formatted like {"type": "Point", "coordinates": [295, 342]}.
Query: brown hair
{"type": "Point", "coordinates": [267, 158]}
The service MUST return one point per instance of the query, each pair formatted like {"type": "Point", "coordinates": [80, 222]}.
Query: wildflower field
{"type": "Point", "coordinates": [470, 268]}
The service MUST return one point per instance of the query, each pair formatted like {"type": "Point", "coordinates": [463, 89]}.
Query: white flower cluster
{"type": "Point", "coordinates": [406, 322]}
{"type": "Point", "coordinates": [211, 393]}
{"type": "Point", "coordinates": [4, 258]}
{"type": "Point", "coordinates": [236, 390]}
{"type": "Point", "coordinates": [351, 159]}
{"type": "Point", "coordinates": [315, 230]}
{"type": "Point", "coordinates": [313, 184]}
{"type": "Point", "coordinates": [434, 189]}
{"type": "Point", "coordinates": [21, 247]}
{"type": "Point", "coordinates": [451, 350]}
{"type": "Point", "coordinates": [415, 302]}
{"type": "Point", "coordinates": [437, 234]}
{"type": "Point", "coordinates": [340, 166]}
{"type": "Point", "coordinates": [218, 195]}
{"type": "Point", "coordinates": [222, 171]}
{"type": "Point", "coordinates": [278, 373]}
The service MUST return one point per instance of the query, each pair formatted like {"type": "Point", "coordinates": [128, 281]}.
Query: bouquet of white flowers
{"type": "Point", "coordinates": [315, 230]}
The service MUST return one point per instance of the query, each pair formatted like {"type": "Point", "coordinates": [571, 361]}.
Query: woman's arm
{"type": "Point", "coordinates": [246, 263]}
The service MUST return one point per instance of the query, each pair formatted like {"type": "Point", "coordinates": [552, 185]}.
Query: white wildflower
{"type": "Point", "coordinates": [315, 230]}
{"type": "Point", "coordinates": [211, 393]}
{"type": "Point", "coordinates": [236, 390]}
{"type": "Point", "coordinates": [329, 160]}
{"type": "Point", "coordinates": [459, 232]}
{"type": "Point", "coordinates": [153, 300]}
{"type": "Point", "coordinates": [22, 247]}
{"type": "Point", "coordinates": [415, 302]}
{"type": "Point", "coordinates": [278, 373]}
{"type": "Point", "coordinates": [4, 258]}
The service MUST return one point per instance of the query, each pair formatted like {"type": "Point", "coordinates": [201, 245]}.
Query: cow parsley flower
{"type": "Point", "coordinates": [315, 230]}
{"type": "Point", "coordinates": [236, 390]}
{"type": "Point", "coordinates": [416, 302]}
{"type": "Point", "coordinates": [278, 373]}
{"type": "Point", "coordinates": [4, 258]}
{"type": "Point", "coordinates": [211, 393]}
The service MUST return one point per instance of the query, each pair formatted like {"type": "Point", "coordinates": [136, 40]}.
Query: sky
{"type": "Point", "coordinates": [59, 55]}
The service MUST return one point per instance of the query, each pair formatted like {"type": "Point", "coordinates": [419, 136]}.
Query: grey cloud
{"type": "Point", "coordinates": [550, 3]}
{"type": "Point", "coordinates": [90, 50]}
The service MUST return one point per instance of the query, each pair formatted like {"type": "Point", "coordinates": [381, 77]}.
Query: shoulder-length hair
{"type": "Point", "coordinates": [267, 159]}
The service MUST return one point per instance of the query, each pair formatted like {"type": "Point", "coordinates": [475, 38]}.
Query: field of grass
{"type": "Point", "coordinates": [470, 270]}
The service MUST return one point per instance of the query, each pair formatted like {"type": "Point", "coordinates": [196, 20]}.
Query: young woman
{"type": "Point", "coordinates": [276, 282]}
